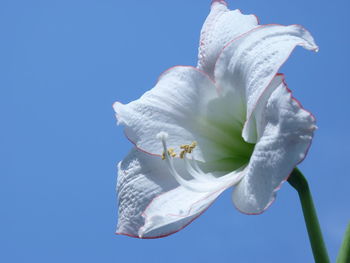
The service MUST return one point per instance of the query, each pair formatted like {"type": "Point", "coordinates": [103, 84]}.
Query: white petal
{"type": "Point", "coordinates": [172, 106]}
{"type": "Point", "coordinates": [287, 134]}
{"type": "Point", "coordinates": [249, 63]}
{"type": "Point", "coordinates": [174, 210]}
{"type": "Point", "coordinates": [257, 122]}
{"type": "Point", "coordinates": [220, 27]}
{"type": "Point", "coordinates": [151, 203]}
{"type": "Point", "coordinates": [141, 178]}
{"type": "Point", "coordinates": [185, 105]}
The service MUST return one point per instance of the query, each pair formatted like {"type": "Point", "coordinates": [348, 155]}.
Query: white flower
{"type": "Point", "coordinates": [234, 117]}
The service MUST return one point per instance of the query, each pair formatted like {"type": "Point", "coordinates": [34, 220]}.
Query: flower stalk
{"type": "Point", "coordinates": [344, 252]}
{"type": "Point", "coordinates": [299, 182]}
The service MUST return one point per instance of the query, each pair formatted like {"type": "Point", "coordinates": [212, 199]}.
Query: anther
{"type": "Point", "coordinates": [187, 148]}
{"type": "Point", "coordinates": [171, 152]}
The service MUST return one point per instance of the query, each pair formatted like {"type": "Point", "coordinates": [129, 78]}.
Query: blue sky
{"type": "Point", "coordinates": [62, 65]}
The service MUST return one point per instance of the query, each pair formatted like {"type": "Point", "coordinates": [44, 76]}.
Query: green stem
{"type": "Point", "coordinates": [299, 182]}
{"type": "Point", "coordinates": [344, 253]}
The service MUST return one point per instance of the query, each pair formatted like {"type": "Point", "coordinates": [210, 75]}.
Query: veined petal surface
{"type": "Point", "coordinates": [286, 137]}
{"type": "Point", "coordinates": [185, 104]}
{"type": "Point", "coordinates": [141, 177]}
{"type": "Point", "coordinates": [247, 129]}
{"type": "Point", "coordinates": [151, 203]}
{"type": "Point", "coordinates": [221, 26]}
{"type": "Point", "coordinates": [249, 63]}
{"type": "Point", "coordinates": [172, 106]}
{"type": "Point", "coordinates": [174, 210]}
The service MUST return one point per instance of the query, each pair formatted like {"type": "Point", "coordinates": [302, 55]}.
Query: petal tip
{"type": "Point", "coordinates": [218, 2]}
{"type": "Point", "coordinates": [258, 211]}
{"type": "Point", "coordinates": [115, 105]}
{"type": "Point", "coordinates": [126, 234]}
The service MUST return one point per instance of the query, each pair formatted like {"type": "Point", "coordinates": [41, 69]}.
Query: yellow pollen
{"type": "Point", "coordinates": [182, 154]}
{"type": "Point", "coordinates": [187, 148]}
{"type": "Point", "coordinates": [171, 152]}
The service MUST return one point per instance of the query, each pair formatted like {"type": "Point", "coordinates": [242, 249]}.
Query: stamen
{"type": "Point", "coordinates": [171, 152]}
{"type": "Point", "coordinates": [202, 182]}
{"type": "Point", "coordinates": [196, 172]}
{"type": "Point", "coordinates": [187, 148]}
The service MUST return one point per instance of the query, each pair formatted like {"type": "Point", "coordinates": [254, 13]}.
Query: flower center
{"type": "Point", "coordinates": [219, 127]}
{"type": "Point", "coordinates": [201, 182]}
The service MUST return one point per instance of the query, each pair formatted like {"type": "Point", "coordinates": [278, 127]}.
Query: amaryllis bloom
{"type": "Point", "coordinates": [229, 122]}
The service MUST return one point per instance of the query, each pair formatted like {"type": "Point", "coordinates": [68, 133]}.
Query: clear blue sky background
{"type": "Point", "coordinates": [62, 65]}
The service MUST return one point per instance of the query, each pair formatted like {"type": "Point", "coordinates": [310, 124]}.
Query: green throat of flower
{"type": "Point", "coordinates": [232, 152]}
{"type": "Point", "coordinates": [212, 175]}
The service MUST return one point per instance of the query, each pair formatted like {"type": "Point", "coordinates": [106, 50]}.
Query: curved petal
{"type": "Point", "coordinates": [221, 26]}
{"type": "Point", "coordinates": [286, 137]}
{"type": "Point", "coordinates": [249, 63]}
{"type": "Point", "coordinates": [141, 178]}
{"type": "Point", "coordinates": [174, 210]}
{"type": "Point", "coordinates": [172, 106]}
{"type": "Point", "coordinates": [184, 104]}
{"type": "Point", "coordinates": [257, 120]}
{"type": "Point", "coordinates": [151, 203]}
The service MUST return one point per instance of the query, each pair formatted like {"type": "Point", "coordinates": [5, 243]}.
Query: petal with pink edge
{"type": "Point", "coordinates": [172, 106]}
{"type": "Point", "coordinates": [184, 104]}
{"type": "Point", "coordinates": [174, 210]}
{"type": "Point", "coordinates": [221, 26]}
{"type": "Point", "coordinates": [141, 177]}
{"type": "Point", "coordinates": [286, 137]}
{"type": "Point", "coordinates": [151, 203]}
{"type": "Point", "coordinates": [249, 63]}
